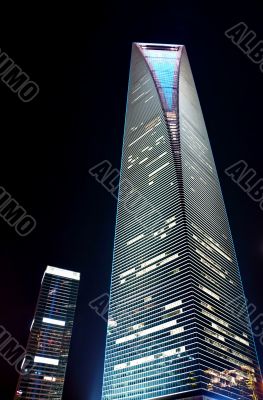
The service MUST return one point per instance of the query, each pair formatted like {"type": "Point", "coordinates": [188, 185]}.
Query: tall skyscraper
{"type": "Point", "coordinates": [50, 334]}
{"type": "Point", "coordinates": [178, 322]}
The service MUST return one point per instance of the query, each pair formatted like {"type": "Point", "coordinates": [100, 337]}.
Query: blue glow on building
{"type": "Point", "coordinates": [164, 66]}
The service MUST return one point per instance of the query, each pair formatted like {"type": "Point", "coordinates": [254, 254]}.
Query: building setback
{"type": "Point", "coordinates": [50, 334]}
{"type": "Point", "coordinates": [178, 323]}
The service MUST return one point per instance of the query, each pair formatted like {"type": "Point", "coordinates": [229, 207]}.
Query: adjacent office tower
{"type": "Point", "coordinates": [178, 323]}
{"type": "Point", "coordinates": [49, 340]}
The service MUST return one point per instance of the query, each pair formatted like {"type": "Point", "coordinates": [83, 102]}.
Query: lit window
{"type": "Point", "coordinates": [146, 101]}
{"type": "Point", "coordinates": [167, 353]}
{"type": "Point", "coordinates": [214, 334]}
{"type": "Point", "coordinates": [173, 313]}
{"type": "Point", "coordinates": [53, 321]}
{"type": "Point", "coordinates": [158, 232]}
{"type": "Point", "coordinates": [138, 326]}
{"type": "Point", "coordinates": [173, 305]}
{"type": "Point", "coordinates": [44, 360]}
{"type": "Point", "coordinates": [158, 169]}
{"type": "Point", "coordinates": [208, 291]}
{"type": "Point", "coordinates": [152, 260]}
{"type": "Point", "coordinates": [135, 239]}
{"type": "Point", "coordinates": [145, 159]}
{"type": "Point", "coordinates": [147, 331]}
{"type": "Point", "coordinates": [157, 158]}
{"type": "Point", "coordinates": [50, 378]}
{"type": "Point", "coordinates": [215, 318]}
{"type": "Point", "coordinates": [147, 299]}
{"type": "Point", "coordinates": [177, 330]}
{"type": "Point", "coordinates": [232, 335]}
{"type": "Point", "coordinates": [159, 264]}
{"type": "Point", "coordinates": [130, 271]}
{"type": "Point", "coordinates": [170, 219]}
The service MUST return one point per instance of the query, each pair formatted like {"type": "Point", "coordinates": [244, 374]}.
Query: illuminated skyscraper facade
{"type": "Point", "coordinates": [50, 334]}
{"type": "Point", "coordinates": [178, 323]}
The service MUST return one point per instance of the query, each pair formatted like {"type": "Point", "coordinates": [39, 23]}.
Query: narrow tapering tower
{"type": "Point", "coordinates": [50, 335]}
{"type": "Point", "coordinates": [178, 323]}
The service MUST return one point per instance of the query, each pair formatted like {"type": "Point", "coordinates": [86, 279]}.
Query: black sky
{"type": "Point", "coordinates": [79, 55]}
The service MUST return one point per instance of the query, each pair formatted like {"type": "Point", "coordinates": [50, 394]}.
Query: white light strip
{"type": "Point", "coordinates": [177, 330]}
{"type": "Point", "coordinates": [232, 335]}
{"type": "Point", "coordinates": [53, 321]}
{"type": "Point", "coordinates": [50, 378]}
{"type": "Point", "coordinates": [63, 273]}
{"type": "Point", "coordinates": [145, 159]}
{"type": "Point", "coordinates": [136, 140]}
{"type": "Point", "coordinates": [44, 360]}
{"type": "Point", "coordinates": [173, 305]}
{"type": "Point", "coordinates": [218, 250]}
{"type": "Point", "coordinates": [167, 353]}
{"type": "Point", "coordinates": [147, 331]}
{"type": "Point", "coordinates": [23, 362]}
{"type": "Point", "coordinates": [126, 273]}
{"type": "Point", "coordinates": [208, 291]}
{"type": "Point", "coordinates": [131, 241]}
{"type": "Point", "coordinates": [159, 44]}
{"type": "Point", "coordinates": [152, 267]}
{"type": "Point", "coordinates": [32, 323]}
{"type": "Point", "coordinates": [158, 169]}
{"type": "Point", "coordinates": [157, 158]}
{"type": "Point", "coordinates": [152, 260]}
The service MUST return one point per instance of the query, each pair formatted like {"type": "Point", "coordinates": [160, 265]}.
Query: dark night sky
{"type": "Point", "coordinates": [80, 58]}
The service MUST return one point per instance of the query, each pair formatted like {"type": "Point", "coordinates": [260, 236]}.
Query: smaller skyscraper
{"type": "Point", "coordinates": [50, 334]}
